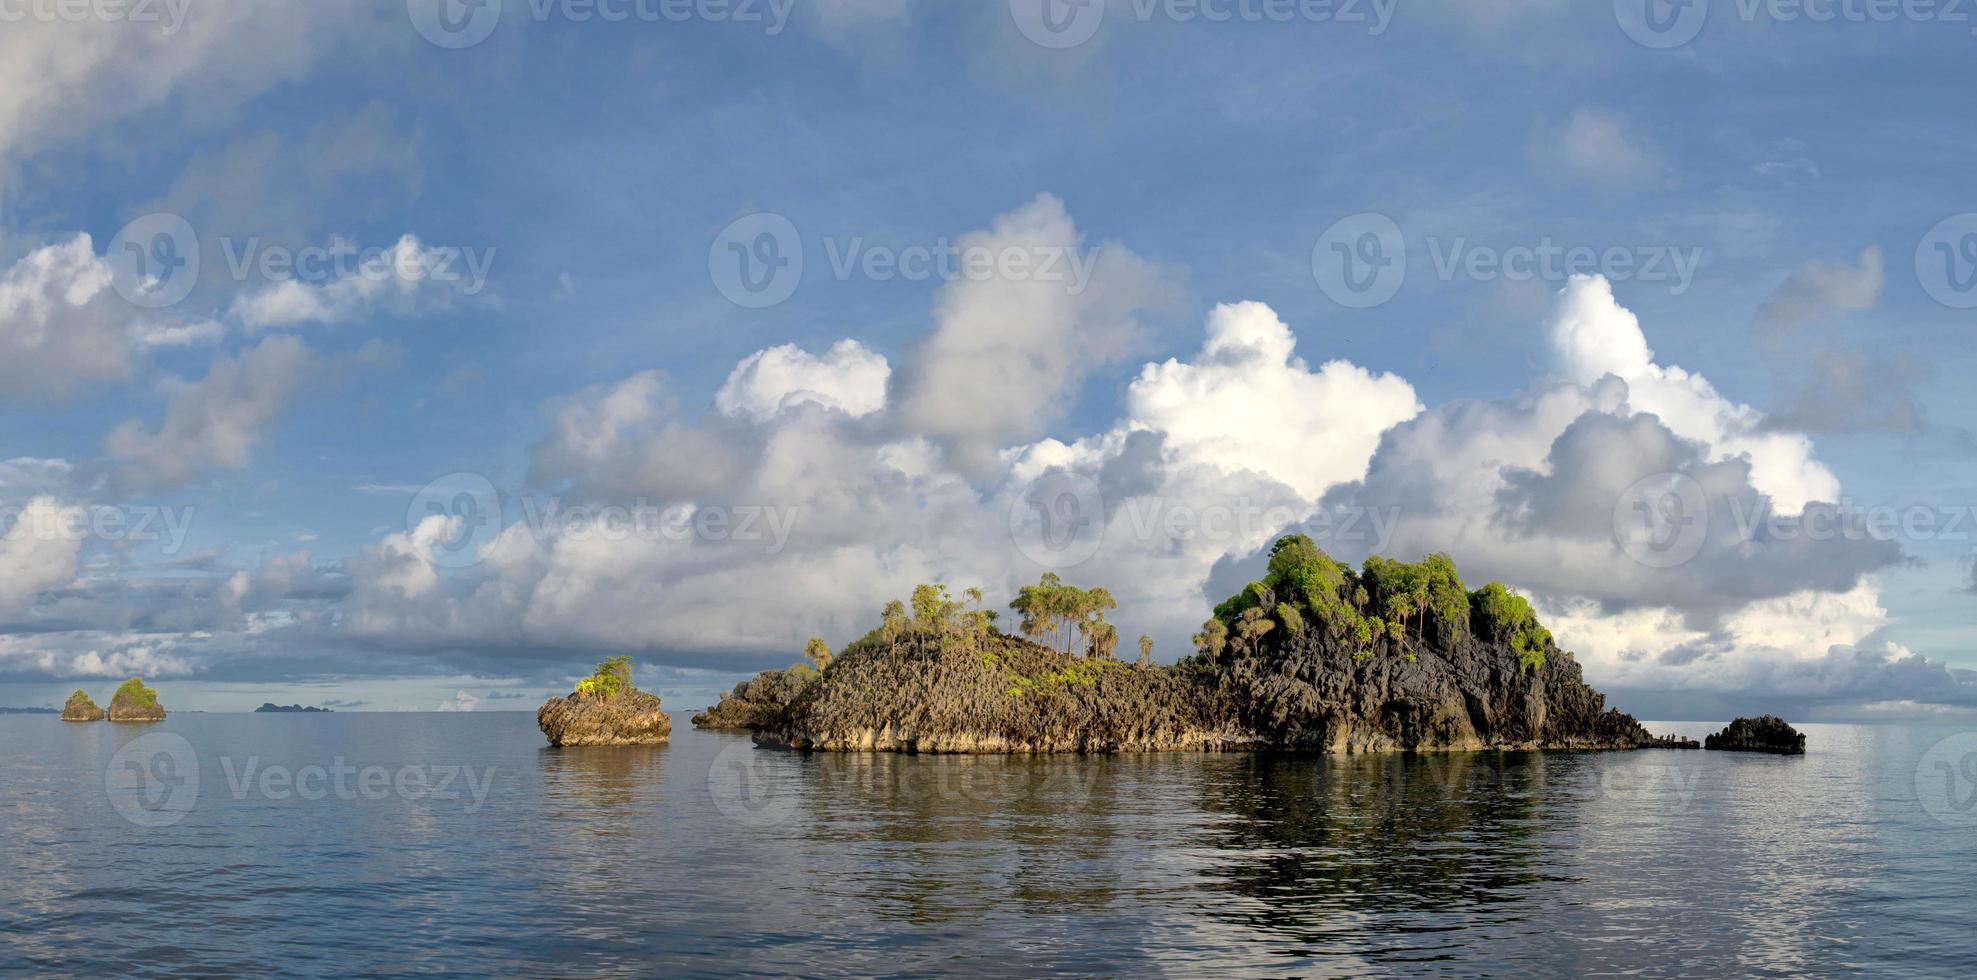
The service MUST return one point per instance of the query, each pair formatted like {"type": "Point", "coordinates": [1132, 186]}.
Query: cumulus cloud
{"type": "Point", "coordinates": [1007, 352]}
{"type": "Point", "coordinates": [1593, 337]}
{"type": "Point", "coordinates": [212, 423]}
{"type": "Point", "coordinates": [629, 438]}
{"type": "Point", "coordinates": [39, 547]}
{"type": "Point", "coordinates": [849, 377]}
{"type": "Point", "coordinates": [61, 82]}
{"type": "Point", "coordinates": [61, 327]}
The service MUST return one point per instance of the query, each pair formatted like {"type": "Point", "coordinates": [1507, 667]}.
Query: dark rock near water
{"type": "Point", "coordinates": [80, 708]}
{"type": "Point", "coordinates": [1769, 733]}
{"type": "Point", "coordinates": [1316, 657]}
{"type": "Point", "coordinates": [757, 703]}
{"type": "Point", "coordinates": [585, 718]}
{"type": "Point", "coordinates": [269, 707]}
{"type": "Point", "coordinates": [135, 702]}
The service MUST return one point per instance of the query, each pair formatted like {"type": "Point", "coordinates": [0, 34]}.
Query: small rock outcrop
{"type": "Point", "coordinates": [758, 703]}
{"type": "Point", "coordinates": [1769, 733]}
{"type": "Point", "coordinates": [80, 708]}
{"type": "Point", "coordinates": [135, 702]}
{"type": "Point", "coordinates": [606, 709]}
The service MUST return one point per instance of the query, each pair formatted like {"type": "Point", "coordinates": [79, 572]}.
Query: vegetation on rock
{"type": "Point", "coordinates": [605, 709]}
{"type": "Point", "coordinates": [80, 708]}
{"type": "Point", "coordinates": [1315, 655]}
{"type": "Point", "coordinates": [135, 702]}
{"type": "Point", "coordinates": [1768, 733]}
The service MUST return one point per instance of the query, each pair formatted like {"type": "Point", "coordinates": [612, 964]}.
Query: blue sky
{"type": "Point", "coordinates": [594, 166]}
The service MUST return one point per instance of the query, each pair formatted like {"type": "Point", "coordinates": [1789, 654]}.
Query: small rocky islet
{"type": "Point", "coordinates": [131, 702]}
{"type": "Point", "coordinates": [1767, 733]}
{"type": "Point", "coordinates": [79, 707]}
{"type": "Point", "coordinates": [606, 709]}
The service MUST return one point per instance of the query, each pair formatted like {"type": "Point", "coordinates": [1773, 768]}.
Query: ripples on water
{"type": "Point", "coordinates": [706, 856]}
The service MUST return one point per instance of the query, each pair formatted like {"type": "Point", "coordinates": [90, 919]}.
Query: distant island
{"type": "Point", "coordinates": [1315, 656]}
{"type": "Point", "coordinates": [30, 711]}
{"type": "Point", "coordinates": [270, 706]}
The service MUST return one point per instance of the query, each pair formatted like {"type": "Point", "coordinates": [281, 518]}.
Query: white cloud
{"type": "Point", "coordinates": [406, 279]}
{"type": "Point", "coordinates": [461, 701]}
{"type": "Point", "coordinates": [215, 422]}
{"type": "Point", "coordinates": [1006, 353]}
{"type": "Point", "coordinates": [1249, 403]}
{"type": "Point", "coordinates": [38, 551]}
{"type": "Point", "coordinates": [1594, 336]}
{"type": "Point", "coordinates": [850, 378]}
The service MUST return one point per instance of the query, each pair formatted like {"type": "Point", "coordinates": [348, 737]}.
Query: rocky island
{"type": "Point", "coordinates": [80, 708]}
{"type": "Point", "coordinates": [1316, 656]}
{"type": "Point", "coordinates": [605, 709]}
{"type": "Point", "coordinates": [1765, 734]}
{"type": "Point", "coordinates": [269, 707]}
{"type": "Point", "coordinates": [135, 702]}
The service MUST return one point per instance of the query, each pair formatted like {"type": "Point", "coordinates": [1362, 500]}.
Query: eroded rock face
{"type": "Point", "coordinates": [631, 718]}
{"type": "Point", "coordinates": [1462, 694]}
{"type": "Point", "coordinates": [135, 702]}
{"type": "Point", "coordinates": [80, 708]}
{"type": "Point", "coordinates": [1769, 733]}
{"type": "Point", "coordinates": [755, 704]}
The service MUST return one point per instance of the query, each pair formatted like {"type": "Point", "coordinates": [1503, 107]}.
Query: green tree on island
{"type": "Point", "coordinates": [613, 678]}
{"type": "Point", "coordinates": [817, 652]}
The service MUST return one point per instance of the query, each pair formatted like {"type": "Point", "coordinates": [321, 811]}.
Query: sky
{"type": "Point", "coordinates": [418, 355]}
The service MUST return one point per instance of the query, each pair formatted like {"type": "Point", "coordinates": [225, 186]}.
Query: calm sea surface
{"type": "Point", "coordinates": [459, 843]}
